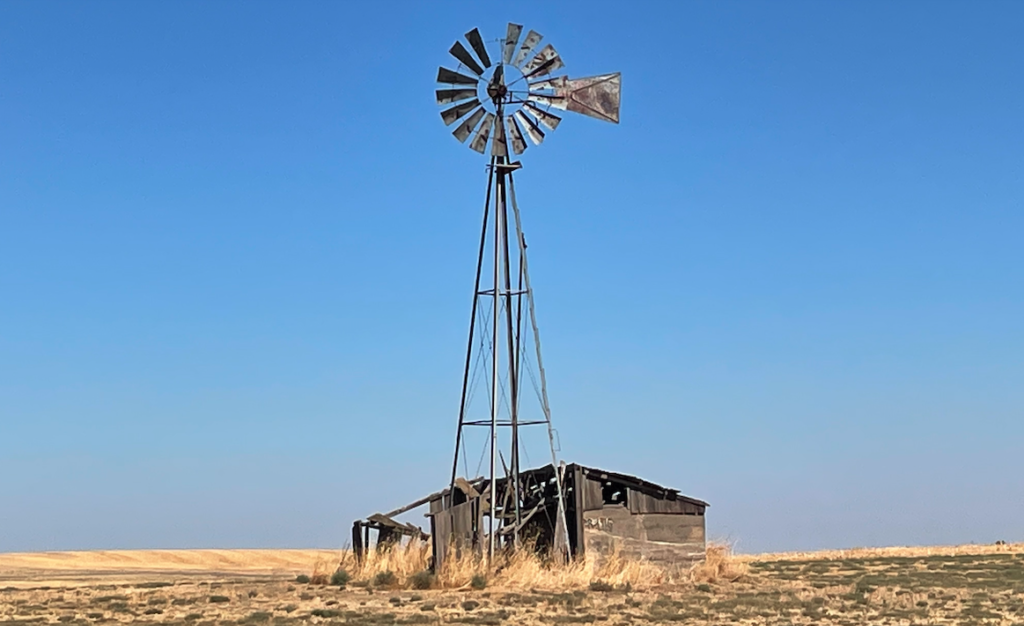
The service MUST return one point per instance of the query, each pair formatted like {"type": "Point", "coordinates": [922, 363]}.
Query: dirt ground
{"type": "Point", "coordinates": [965, 585]}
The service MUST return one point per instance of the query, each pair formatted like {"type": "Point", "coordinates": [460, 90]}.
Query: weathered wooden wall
{"type": "Point", "coordinates": [454, 529]}
{"type": "Point", "coordinates": [671, 539]}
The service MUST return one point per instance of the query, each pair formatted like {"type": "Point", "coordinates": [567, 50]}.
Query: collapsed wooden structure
{"type": "Point", "coordinates": [606, 512]}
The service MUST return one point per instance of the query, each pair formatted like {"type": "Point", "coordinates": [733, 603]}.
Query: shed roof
{"type": "Point", "coordinates": [640, 485]}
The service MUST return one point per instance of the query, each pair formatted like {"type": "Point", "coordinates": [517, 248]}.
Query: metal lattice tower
{"type": "Point", "coordinates": [496, 104]}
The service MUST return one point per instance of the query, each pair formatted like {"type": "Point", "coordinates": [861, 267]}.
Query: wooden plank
{"type": "Point", "coordinates": [412, 506]}
{"type": "Point", "coordinates": [593, 495]}
{"type": "Point", "coordinates": [466, 488]}
{"type": "Point", "coordinates": [357, 540]}
{"type": "Point", "coordinates": [577, 483]}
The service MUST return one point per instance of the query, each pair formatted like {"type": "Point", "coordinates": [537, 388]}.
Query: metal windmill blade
{"type": "Point", "coordinates": [479, 142]}
{"type": "Point", "coordinates": [533, 131]}
{"type": "Point", "coordinates": [477, 43]}
{"type": "Point", "coordinates": [450, 77]}
{"type": "Point", "coordinates": [459, 52]}
{"type": "Point", "coordinates": [532, 39]}
{"type": "Point", "coordinates": [548, 119]}
{"type": "Point", "coordinates": [466, 127]}
{"type": "Point", "coordinates": [511, 39]}
{"type": "Point", "coordinates": [515, 135]}
{"type": "Point", "coordinates": [544, 62]}
{"type": "Point", "coordinates": [444, 96]}
{"type": "Point", "coordinates": [499, 147]}
{"type": "Point", "coordinates": [451, 115]}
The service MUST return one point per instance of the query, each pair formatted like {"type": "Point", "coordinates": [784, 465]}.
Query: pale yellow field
{"type": "Point", "coordinates": [70, 568]}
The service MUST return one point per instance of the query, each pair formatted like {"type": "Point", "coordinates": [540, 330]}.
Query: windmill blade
{"type": "Point", "coordinates": [477, 42]}
{"type": "Point", "coordinates": [532, 130]}
{"type": "Point", "coordinates": [596, 96]}
{"type": "Point", "coordinates": [511, 39]}
{"type": "Point", "coordinates": [545, 62]}
{"type": "Point", "coordinates": [532, 39]}
{"type": "Point", "coordinates": [516, 135]}
{"type": "Point", "coordinates": [498, 145]}
{"type": "Point", "coordinates": [467, 126]}
{"type": "Point", "coordinates": [459, 52]}
{"type": "Point", "coordinates": [444, 96]}
{"type": "Point", "coordinates": [479, 142]}
{"type": "Point", "coordinates": [558, 82]}
{"type": "Point", "coordinates": [548, 119]}
{"type": "Point", "coordinates": [449, 77]}
{"type": "Point", "coordinates": [450, 115]}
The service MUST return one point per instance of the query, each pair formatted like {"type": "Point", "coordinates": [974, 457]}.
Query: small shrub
{"type": "Point", "coordinates": [302, 579]}
{"type": "Point", "coordinates": [325, 613]}
{"type": "Point", "coordinates": [427, 607]}
{"type": "Point", "coordinates": [219, 599]}
{"type": "Point", "coordinates": [704, 587]}
{"type": "Point", "coordinates": [191, 617]}
{"type": "Point", "coordinates": [600, 585]}
{"type": "Point", "coordinates": [152, 612]}
{"type": "Point", "coordinates": [469, 605]}
{"type": "Point", "coordinates": [422, 580]}
{"type": "Point", "coordinates": [340, 578]}
{"type": "Point", "coordinates": [479, 582]}
{"type": "Point", "coordinates": [288, 608]}
{"type": "Point", "coordinates": [395, 600]}
{"type": "Point", "coordinates": [253, 593]}
{"type": "Point", "coordinates": [385, 579]}
{"type": "Point", "coordinates": [415, 598]}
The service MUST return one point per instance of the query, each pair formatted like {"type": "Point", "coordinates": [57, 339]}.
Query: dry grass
{"type": "Point", "coordinates": [719, 565]}
{"type": "Point", "coordinates": [961, 585]}
{"type": "Point", "coordinates": [514, 570]}
{"type": "Point", "coordinates": [895, 551]}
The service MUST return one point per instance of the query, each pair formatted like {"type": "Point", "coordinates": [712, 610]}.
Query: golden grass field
{"type": "Point", "coordinates": [933, 585]}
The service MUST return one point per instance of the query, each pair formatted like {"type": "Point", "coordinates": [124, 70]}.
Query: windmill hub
{"type": "Point", "coordinates": [496, 89]}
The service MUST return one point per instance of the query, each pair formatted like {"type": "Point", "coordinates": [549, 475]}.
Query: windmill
{"type": "Point", "coordinates": [498, 96]}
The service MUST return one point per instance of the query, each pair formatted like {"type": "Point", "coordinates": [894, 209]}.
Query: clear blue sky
{"type": "Point", "coordinates": [237, 247]}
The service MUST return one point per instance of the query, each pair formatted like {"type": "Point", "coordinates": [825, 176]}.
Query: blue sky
{"type": "Point", "coordinates": [237, 247]}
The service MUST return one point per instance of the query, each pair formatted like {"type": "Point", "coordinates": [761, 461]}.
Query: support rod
{"type": "Point", "coordinates": [472, 328]}
{"type": "Point", "coordinates": [495, 399]}
{"type": "Point", "coordinates": [540, 364]}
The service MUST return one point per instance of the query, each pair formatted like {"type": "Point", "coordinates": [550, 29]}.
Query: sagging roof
{"type": "Point", "coordinates": [639, 484]}
{"type": "Point", "coordinates": [633, 482]}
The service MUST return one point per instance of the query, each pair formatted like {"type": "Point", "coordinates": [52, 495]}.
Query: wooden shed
{"type": "Point", "coordinates": [618, 512]}
{"type": "Point", "coordinates": [606, 512]}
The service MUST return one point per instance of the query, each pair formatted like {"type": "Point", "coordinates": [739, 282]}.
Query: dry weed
{"type": "Point", "coordinates": [401, 560]}
{"type": "Point", "coordinates": [719, 565]}
{"type": "Point", "coordinates": [516, 569]}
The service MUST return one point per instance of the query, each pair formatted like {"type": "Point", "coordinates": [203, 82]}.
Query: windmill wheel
{"type": "Point", "coordinates": [501, 102]}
